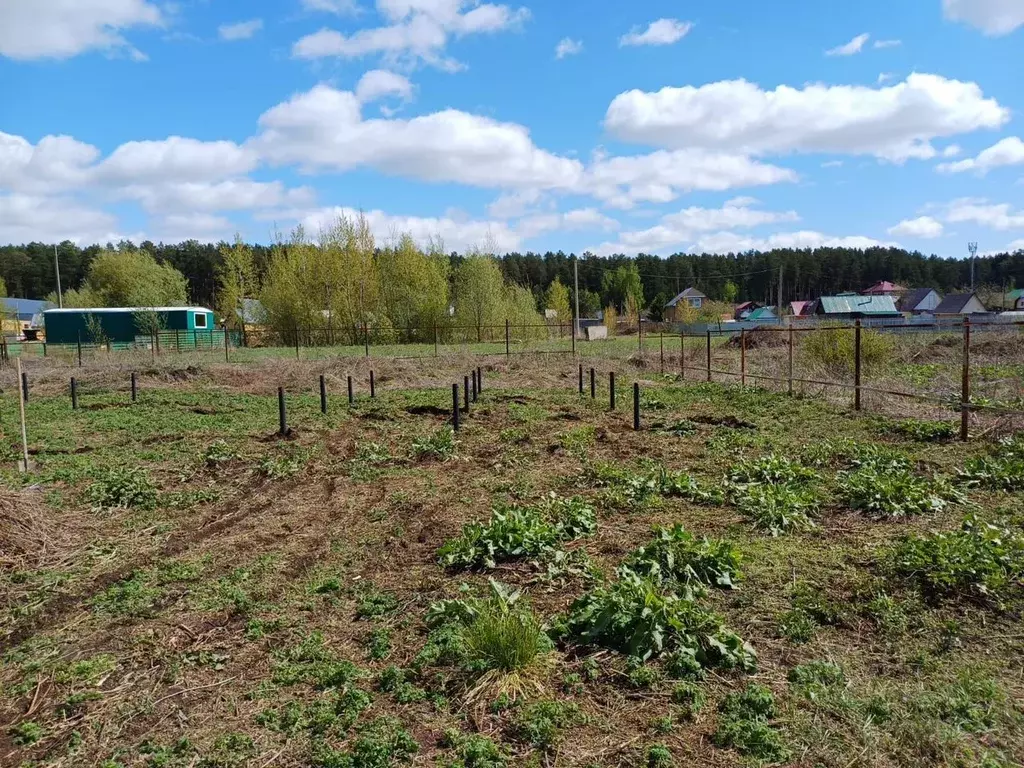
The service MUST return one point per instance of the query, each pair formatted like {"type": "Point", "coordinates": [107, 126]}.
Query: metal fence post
{"type": "Point", "coordinates": [350, 395]}
{"type": "Point", "coordinates": [296, 343]}
{"type": "Point", "coordinates": [581, 378]}
{"type": "Point", "coordinates": [373, 385]}
{"type": "Point", "coordinates": [472, 376]}
{"type": "Point", "coordinates": [743, 357]}
{"type": "Point", "coordinates": [479, 380]}
{"type": "Point", "coordinates": [791, 360]}
{"type": "Point", "coordinates": [74, 394]}
{"type": "Point", "coordinates": [965, 384]}
{"type": "Point", "coordinates": [226, 360]}
{"type": "Point", "coordinates": [282, 414]}
{"type": "Point", "coordinates": [593, 385]}
{"type": "Point", "coordinates": [465, 384]}
{"type": "Point", "coordinates": [682, 356]}
{"type": "Point", "coordinates": [323, 394]}
{"type": "Point", "coordinates": [709, 355]}
{"type": "Point", "coordinates": [636, 405]}
{"type": "Point", "coordinates": [856, 366]}
{"type": "Point", "coordinates": [455, 407]}
{"type": "Point", "coordinates": [611, 390]}
{"type": "Point", "coordinates": [24, 386]}
{"type": "Point", "coordinates": [135, 387]}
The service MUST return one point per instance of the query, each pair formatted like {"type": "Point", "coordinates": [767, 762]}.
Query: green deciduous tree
{"type": "Point", "coordinates": [557, 298]}
{"type": "Point", "coordinates": [479, 300]}
{"type": "Point", "coordinates": [236, 281]}
{"type": "Point", "coordinates": [622, 286]}
{"type": "Point", "coordinates": [413, 288]}
{"type": "Point", "coordinates": [128, 278]}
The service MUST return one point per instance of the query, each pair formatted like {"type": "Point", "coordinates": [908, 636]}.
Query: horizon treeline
{"type": "Point", "coordinates": [28, 270]}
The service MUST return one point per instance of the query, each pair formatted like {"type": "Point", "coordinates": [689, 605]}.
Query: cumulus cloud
{"type": "Point", "coordinates": [378, 83]}
{"type": "Point", "coordinates": [660, 32]}
{"type": "Point", "coordinates": [241, 30]}
{"type": "Point", "coordinates": [57, 29]}
{"type": "Point", "coordinates": [1009, 151]}
{"type": "Point", "coordinates": [998, 216]}
{"type": "Point", "coordinates": [418, 31]}
{"type": "Point", "coordinates": [924, 227]}
{"type": "Point", "coordinates": [340, 7]}
{"type": "Point", "coordinates": [568, 47]}
{"type": "Point", "coordinates": [662, 176]}
{"type": "Point", "coordinates": [24, 218]}
{"type": "Point", "coordinates": [895, 123]}
{"type": "Point", "coordinates": [174, 159]}
{"type": "Point", "coordinates": [580, 219]}
{"type": "Point", "coordinates": [849, 49]}
{"type": "Point", "coordinates": [690, 227]}
{"type": "Point", "coordinates": [888, 43]}
{"type": "Point", "coordinates": [322, 129]}
{"type": "Point", "coordinates": [993, 17]}
{"type": "Point", "coordinates": [55, 163]}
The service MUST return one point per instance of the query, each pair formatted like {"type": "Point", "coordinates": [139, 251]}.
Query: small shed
{"type": "Point", "coordinates": [961, 304]}
{"type": "Point", "coordinates": [762, 315]}
{"type": "Point", "coordinates": [742, 311]}
{"type": "Point", "coordinates": [121, 324]}
{"type": "Point", "coordinates": [920, 301]}
{"type": "Point", "coordinates": [853, 307]}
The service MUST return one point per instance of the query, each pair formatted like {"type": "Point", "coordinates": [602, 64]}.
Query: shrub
{"type": "Point", "coordinates": [519, 532]}
{"type": "Point", "coordinates": [1002, 470]}
{"type": "Point", "coordinates": [744, 725]}
{"type": "Point", "coordinates": [675, 555]}
{"type": "Point", "coordinates": [925, 431]}
{"type": "Point", "coordinates": [981, 560]}
{"type": "Point", "coordinates": [835, 348]}
{"type": "Point", "coordinates": [540, 724]}
{"type": "Point", "coordinates": [122, 487]}
{"type": "Point", "coordinates": [638, 617]}
{"type": "Point", "coordinates": [438, 445]}
{"type": "Point", "coordinates": [896, 493]}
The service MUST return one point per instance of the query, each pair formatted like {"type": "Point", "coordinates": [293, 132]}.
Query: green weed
{"type": "Point", "coordinates": [1001, 470]}
{"type": "Point", "coordinates": [131, 597]}
{"type": "Point", "coordinates": [440, 445]}
{"type": "Point", "coordinates": [122, 487]}
{"type": "Point", "coordinates": [540, 724]}
{"type": "Point", "coordinates": [381, 743]}
{"type": "Point", "coordinates": [374, 603]}
{"type": "Point", "coordinates": [26, 733]}
{"type": "Point", "coordinates": [744, 725]}
{"type": "Point", "coordinates": [896, 493]}
{"type": "Point", "coordinates": [924, 431]}
{"type": "Point", "coordinates": [472, 751]}
{"type": "Point", "coordinates": [677, 556]}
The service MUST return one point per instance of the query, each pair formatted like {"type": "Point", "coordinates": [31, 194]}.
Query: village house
{"type": "Point", "coordinates": [961, 304]}
{"type": "Point", "coordinates": [920, 301]}
{"type": "Point", "coordinates": [690, 298]}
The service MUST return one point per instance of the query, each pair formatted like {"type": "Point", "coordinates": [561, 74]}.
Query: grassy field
{"type": "Point", "coordinates": [752, 578]}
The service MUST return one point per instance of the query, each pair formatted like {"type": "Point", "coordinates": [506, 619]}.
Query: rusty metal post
{"type": "Point", "coordinates": [743, 357]}
{"type": "Point", "coordinates": [790, 360]}
{"type": "Point", "coordinates": [709, 355]}
{"type": "Point", "coordinates": [856, 366]}
{"type": "Point", "coordinates": [965, 384]}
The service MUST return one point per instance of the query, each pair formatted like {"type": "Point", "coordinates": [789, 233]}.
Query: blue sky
{"type": "Point", "coordinates": [656, 127]}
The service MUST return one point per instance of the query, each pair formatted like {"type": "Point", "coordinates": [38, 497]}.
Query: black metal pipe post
{"type": "Point", "coordinates": [636, 405]}
{"type": "Point", "coordinates": [965, 384]}
{"type": "Point", "coordinates": [282, 414]}
{"type": "Point", "coordinates": [581, 379]}
{"type": "Point", "coordinates": [593, 385]}
{"type": "Point", "coordinates": [373, 385]}
{"type": "Point", "coordinates": [611, 390]}
{"type": "Point", "coordinates": [472, 376]}
{"type": "Point", "coordinates": [323, 394]}
{"type": "Point", "coordinates": [455, 407]}
{"type": "Point", "coordinates": [479, 380]}
{"type": "Point", "coordinates": [79, 350]}
{"type": "Point", "coordinates": [350, 396]}
{"type": "Point", "coordinates": [135, 387]}
{"type": "Point", "coordinates": [74, 394]}
{"type": "Point", "coordinates": [24, 386]}
{"type": "Point", "coordinates": [465, 383]}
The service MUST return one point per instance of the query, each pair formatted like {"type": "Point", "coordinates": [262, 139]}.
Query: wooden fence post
{"type": "Point", "coordinates": [373, 385]}
{"type": "Point", "coordinates": [366, 338]}
{"type": "Point", "coordinates": [682, 356]}
{"type": "Point", "coordinates": [661, 339]}
{"type": "Point", "coordinates": [581, 378]}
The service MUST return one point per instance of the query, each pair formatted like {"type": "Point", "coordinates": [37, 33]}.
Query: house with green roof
{"type": "Point", "coordinates": [855, 307]}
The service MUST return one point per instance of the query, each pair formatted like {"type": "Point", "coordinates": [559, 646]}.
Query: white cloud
{"type": "Point", "coordinates": [568, 47]}
{"type": "Point", "coordinates": [660, 32]}
{"type": "Point", "coordinates": [731, 242]}
{"type": "Point", "coordinates": [895, 123]}
{"type": "Point", "coordinates": [175, 159]}
{"type": "Point", "coordinates": [59, 29]}
{"type": "Point", "coordinates": [923, 227]}
{"type": "Point", "coordinates": [581, 219]}
{"type": "Point", "coordinates": [832, 164]}
{"type": "Point", "coordinates": [514, 204]}
{"type": "Point", "coordinates": [888, 43]}
{"type": "Point", "coordinates": [378, 83]}
{"type": "Point", "coordinates": [998, 216]}
{"type": "Point", "coordinates": [204, 227]}
{"type": "Point", "coordinates": [55, 163]}
{"type": "Point", "coordinates": [849, 49]}
{"type": "Point", "coordinates": [993, 17]}
{"type": "Point", "coordinates": [456, 234]}
{"type": "Point", "coordinates": [24, 218]}
{"type": "Point", "coordinates": [1016, 245]}
{"type": "Point", "coordinates": [681, 230]}
{"type": "Point", "coordinates": [340, 7]}
{"type": "Point", "coordinates": [952, 150]}
{"type": "Point", "coordinates": [418, 32]}
{"type": "Point", "coordinates": [241, 30]}
{"type": "Point", "coordinates": [1009, 151]}
{"type": "Point", "coordinates": [660, 177]}
{"type": "Point", "coordinates": [228, 195]}
{"type": "Point", "coordinates": [322, 129]}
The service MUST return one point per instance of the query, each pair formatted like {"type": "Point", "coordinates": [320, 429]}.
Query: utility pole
{"type": "Point", "coordinates": [778, 309]}
{"type": "Point", "coordinates": [973, 248]}
{"type": "Point", "coordinates": [576, 293]}
{"type": "Point", "coordinates": [56, 268]}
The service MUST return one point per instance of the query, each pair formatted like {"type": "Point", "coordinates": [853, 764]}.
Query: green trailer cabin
{"type": "Point", "coordinates": [123, 325]}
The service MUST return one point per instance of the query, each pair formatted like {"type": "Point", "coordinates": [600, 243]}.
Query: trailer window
{"type": "Point", "coordinates": [200, 319]}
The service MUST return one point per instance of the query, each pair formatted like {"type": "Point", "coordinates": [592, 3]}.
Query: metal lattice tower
{"type": "Point", "coordinates": [973, 249]}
